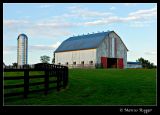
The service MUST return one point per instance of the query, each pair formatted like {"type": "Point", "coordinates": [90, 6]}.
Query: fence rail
{"type": "Point", "coordinates": [50, 70]}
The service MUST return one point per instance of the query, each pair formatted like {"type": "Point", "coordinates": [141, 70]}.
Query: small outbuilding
{"type": "Point", "coordinates": [134, 65]}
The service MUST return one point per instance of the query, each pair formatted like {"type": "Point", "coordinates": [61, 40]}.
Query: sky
{"type": "Point", "coordinates": [47, 25]}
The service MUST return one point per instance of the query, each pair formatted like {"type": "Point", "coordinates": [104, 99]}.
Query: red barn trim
{"type": "Point", "coordinates": [120, 63]}
{"type": "Point", "coordinates": [104, 62]}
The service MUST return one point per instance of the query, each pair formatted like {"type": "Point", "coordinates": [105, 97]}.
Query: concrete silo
{"type": "Point", "coordinates": [22, 49]}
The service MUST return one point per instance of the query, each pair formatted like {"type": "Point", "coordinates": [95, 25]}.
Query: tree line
{"type": "Point", "coordinates": [145, 63]}
{"type": "Point", "coordinates": [43, 59]}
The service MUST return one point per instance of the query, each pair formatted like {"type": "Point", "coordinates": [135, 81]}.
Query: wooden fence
{"type": "Point", "coordinates": [50, 70]}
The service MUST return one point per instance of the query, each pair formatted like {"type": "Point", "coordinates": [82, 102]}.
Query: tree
{"type": "Point", "coordinates": [15, 64]}
{"type": "Point", "coordinates": [44, 59]}
{"type": "Point", "coordinates": [53, 60]}
{"type": "Point", "coordinates": [146, 63]}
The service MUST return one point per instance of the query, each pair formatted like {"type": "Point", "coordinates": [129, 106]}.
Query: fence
{"type": "Point", "coordinates": [50, 70]}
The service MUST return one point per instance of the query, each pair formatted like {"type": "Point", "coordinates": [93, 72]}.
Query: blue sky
{"type": "Point", "coordinates": [49, 24]}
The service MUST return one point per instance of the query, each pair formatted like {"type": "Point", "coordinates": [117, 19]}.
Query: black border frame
{"type": "Point", "coordinates": [79, 109]}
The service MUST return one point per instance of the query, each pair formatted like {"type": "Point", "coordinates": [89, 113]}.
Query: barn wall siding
{"type": "Point", "coordinates": [103, 50]}
{"type": "Point", "coordinates": [121, 49]}
{"type": "Point", "coordinates": [106, 49]}
{"type": "Point", "coordinates": [76, 56]}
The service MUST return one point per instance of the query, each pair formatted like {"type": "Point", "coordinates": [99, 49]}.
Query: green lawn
{"type": "Point", "coordinates": [99, 87]}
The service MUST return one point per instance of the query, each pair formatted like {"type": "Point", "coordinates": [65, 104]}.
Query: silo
{"type": "Point", "coordinates": [22, 49]}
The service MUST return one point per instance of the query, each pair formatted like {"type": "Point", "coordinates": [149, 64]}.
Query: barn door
{"type": "Point", "coordinates": [120, 63]}
{"type": "Point", "coordinates": [104, 62]}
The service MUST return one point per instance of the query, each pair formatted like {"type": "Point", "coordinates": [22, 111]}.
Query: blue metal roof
{"type": "Point", "coordinates": [82, 42]}
{"type": "Point", "coordinates": [133, 63]}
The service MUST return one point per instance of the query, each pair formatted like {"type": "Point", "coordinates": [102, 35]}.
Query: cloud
{"type": "Point", "coordinates": [59, 26]}
{"type": "Point", "coordinates": [55, 24]}
{"type": "Point", "coordinates": [74, 7]}
{"type": "Point", "coordinates": [39, 47]}
{"type": "Point", "coordinates": [56, 45]}
{"type": "Point", "coordinates": [140, 15]}
{"type": "Point", "coordinates": [130, 4]}
{"type": "Point", "coordinates": [13, 49]}
{"type": "Point", "coordinates": [112, 8]}
{"type": "Point", "coordinates": [14, 22]}
{"type": "Point", "coordinates": [47, 32]}
{"type": "Point", "coordinates": [39, 29]}
{"type": "Point", "coordinates": [44, 47]}
{"type": "Point", "coordinates": [27, 17]}
{"type": "Point", "coordinates": [45, 6]}
{"type": "Point", "coordinates": [9, 48]}
{"type": "Point", "coordinates": [85, 13]}
{"type": "Point", "coordinates": [48, 28]}
{"type": "Point", "coordinates": [151, 53]}
{"type": "Point", "coordinates": [14, 26]}
{"type": "Point", "coordinates": [6, 52]}
{"type": "Point", "coordinates": [144, 13]}
{"type": "Point", "coordinates": [139, 24]}
{"type": "Point", "coordinates": [103, 21]}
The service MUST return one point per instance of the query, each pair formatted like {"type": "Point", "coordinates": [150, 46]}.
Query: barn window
{"type": "Point", "coordinates": [74, 63]}
{"type": "Point", "coordinates": [82, 62]}
{"type": "Point", "coordinates": [90, 62]}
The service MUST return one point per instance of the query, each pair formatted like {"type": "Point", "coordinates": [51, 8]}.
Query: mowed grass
{"type": "Point", "coordinates": [99, 87]}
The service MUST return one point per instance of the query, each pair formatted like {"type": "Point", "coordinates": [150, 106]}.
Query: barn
{"type": "Point", "coordinates": [104, 49]}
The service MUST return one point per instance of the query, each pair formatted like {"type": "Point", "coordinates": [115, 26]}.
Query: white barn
{"type": "Point", "coordinates": [98, 49]}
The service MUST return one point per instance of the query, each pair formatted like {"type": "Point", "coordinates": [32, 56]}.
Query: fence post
{"type": "Point", "coordinates": [61, 75]}
{"type": "Point", "coordinates": [46, 80]}
{"type": "Point", "coordinates": [58, 78]}
{"type": "Point", "coordinates": [64, 77]}
{"type": "Point", "coordinates": [52, 68]}
{"type": "Point", "coordinates": [26, 82]}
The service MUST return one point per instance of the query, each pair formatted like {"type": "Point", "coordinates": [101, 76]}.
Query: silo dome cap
{"type": "Point", "coordinates": [23, 35]}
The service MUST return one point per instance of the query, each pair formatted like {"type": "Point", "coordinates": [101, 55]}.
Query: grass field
{"type": "Point", "coordinates": [99, 87]}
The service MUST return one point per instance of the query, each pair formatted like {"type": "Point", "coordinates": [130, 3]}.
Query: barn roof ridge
{"type": "Point", "coordinates": [87, 41]}
{"type": "Point", "coordinates": [88, 34]}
